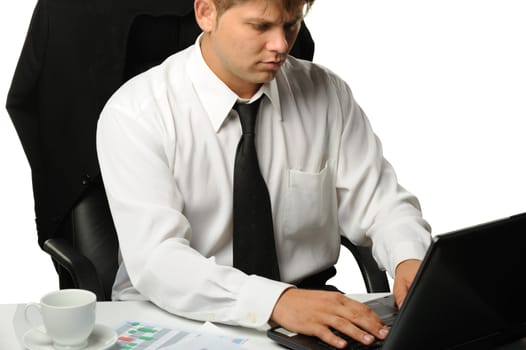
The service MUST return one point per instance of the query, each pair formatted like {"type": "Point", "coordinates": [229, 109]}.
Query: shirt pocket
{"type": "Point", "coordinates": [310, 204]}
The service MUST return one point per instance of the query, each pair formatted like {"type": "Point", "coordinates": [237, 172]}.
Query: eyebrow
{"type": "Point", "coordinates": [264, 21]}
{"type": "Point", "coordinates": [294, 20]}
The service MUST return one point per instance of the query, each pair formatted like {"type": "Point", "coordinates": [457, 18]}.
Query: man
{"type": "Point", "coordinates": [167, 147]}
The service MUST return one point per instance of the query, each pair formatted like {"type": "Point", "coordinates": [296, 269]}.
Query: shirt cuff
{"type": "Point", "coordinates": [405, 251]}
{"type": "Point", "coordinates": [258, 296]}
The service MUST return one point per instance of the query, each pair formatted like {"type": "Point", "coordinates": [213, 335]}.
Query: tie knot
{"type": "Point", "coordinates": [247, 115]}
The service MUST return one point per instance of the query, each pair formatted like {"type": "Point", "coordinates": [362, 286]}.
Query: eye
{"type": "Point", "coordinates": [261, 27]}
{"type": "Point", "coordinates": [291, 27]}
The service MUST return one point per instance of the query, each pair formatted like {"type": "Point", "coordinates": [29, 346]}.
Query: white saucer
{"type": "Point", "coordinates": [101, 338]}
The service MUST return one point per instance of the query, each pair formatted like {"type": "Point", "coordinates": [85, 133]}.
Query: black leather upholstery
{"type": "Point", "coordinates": [90, 254]}
{"type": "Point", "coordinates": [375, 279]}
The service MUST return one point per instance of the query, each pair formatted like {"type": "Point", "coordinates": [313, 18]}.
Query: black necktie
{"type": "Point", "coordinates": [254, 247]}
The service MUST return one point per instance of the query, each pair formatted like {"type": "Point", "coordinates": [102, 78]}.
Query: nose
{"type": "Point", "coordinates": [278, 41]}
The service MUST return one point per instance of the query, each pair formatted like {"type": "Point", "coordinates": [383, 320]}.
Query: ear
{"type": "Point", "coordinates": [205, 14]}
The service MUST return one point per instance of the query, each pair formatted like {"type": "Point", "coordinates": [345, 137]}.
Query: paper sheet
{"type": "Point", "coordinates": [143, 336]}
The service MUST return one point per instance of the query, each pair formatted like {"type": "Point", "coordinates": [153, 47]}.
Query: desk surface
{"type": "Point", "coordinates": [113, 313]}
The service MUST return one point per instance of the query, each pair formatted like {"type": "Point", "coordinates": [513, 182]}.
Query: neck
{"type": "Point", "coordinates": [243, 89]}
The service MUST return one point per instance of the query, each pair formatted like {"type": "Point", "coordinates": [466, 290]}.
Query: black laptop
{"type": "Point", "coordinates": [470, 293]}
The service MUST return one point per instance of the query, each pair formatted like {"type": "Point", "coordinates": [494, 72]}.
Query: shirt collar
{"type": "Point", "coordinates": [216, 98]}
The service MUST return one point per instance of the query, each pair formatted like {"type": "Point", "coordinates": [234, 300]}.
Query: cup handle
{"type": "Point", "coordinates": [28, 319]}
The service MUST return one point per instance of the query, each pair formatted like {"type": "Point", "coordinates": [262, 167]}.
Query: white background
{"type": "Point", "coordinates": [443, 83]}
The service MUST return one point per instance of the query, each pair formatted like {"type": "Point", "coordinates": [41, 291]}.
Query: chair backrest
{"type": "Point", "coordinates": [88, 248]}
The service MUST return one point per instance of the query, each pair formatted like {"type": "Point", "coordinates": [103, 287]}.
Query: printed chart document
{"type": "Point", "coordinates": [143, 336]}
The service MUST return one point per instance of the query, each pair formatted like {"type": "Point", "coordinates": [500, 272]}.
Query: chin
{"type": "Point", "coordinates": [266, 77]}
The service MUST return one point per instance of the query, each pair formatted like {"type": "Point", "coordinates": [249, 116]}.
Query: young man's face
{"type": "Point", "coordinates": [248, 43]}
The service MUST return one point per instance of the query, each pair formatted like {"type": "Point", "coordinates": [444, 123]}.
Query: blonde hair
{"type": "Point", "coordinates": [288, 5]}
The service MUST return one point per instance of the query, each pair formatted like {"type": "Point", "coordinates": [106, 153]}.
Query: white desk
{"type": "Point", "coordinates": [113, 313]}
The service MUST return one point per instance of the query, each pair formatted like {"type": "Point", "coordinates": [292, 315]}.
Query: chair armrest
{"type": "Point", "coordinates": [80, 268]}
{"type": "Point", "coordinates": [375, 279]}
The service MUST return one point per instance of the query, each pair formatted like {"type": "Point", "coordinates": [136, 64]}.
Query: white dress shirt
{"type": "Point", "coordinates": [166, 144]}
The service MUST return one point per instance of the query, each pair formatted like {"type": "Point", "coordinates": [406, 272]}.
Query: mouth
{"type": "Point", "coordinates": [272, 64]}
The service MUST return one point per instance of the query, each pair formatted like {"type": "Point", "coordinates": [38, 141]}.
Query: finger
{"type": "Point", "coordinates": [343, 326]}
{"type": "Point", "coordinates": [399, 292]}
{"type": "Point", "coordinates": [341, 314]}
{"type": "Point", "coordinates": [329, 337]}
{"type": "Point", "coordinates": [364, 318]}
{"type": "Point", "coordinates": [335, 337]}
{"type": "Point", "coordinates": [400, 299]}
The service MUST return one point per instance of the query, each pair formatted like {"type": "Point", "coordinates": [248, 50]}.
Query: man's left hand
{"type": "Point", "coordinates": [404, 275]}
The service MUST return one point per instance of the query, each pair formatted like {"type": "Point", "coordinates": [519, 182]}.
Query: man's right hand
{"type": "Point", "coordinates": [313, 312]}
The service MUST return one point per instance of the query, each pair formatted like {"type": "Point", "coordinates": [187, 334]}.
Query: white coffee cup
{"type": "Point", "coordinates": [68, 316]}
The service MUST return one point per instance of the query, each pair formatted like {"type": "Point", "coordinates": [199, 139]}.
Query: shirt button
{"type": "Point", "coordinates": [252, 318]}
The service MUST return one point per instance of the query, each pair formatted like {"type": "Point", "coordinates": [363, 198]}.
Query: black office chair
{"type": "Point", "coordinates": [88, 249]}
{"type": "Point", "coordinates": [90, 254]}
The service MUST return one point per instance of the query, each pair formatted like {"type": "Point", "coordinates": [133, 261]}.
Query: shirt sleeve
{"type": "Point", "coordinates": [155, 236]}
{"type": "Point", "coordinates": [373, 207]}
